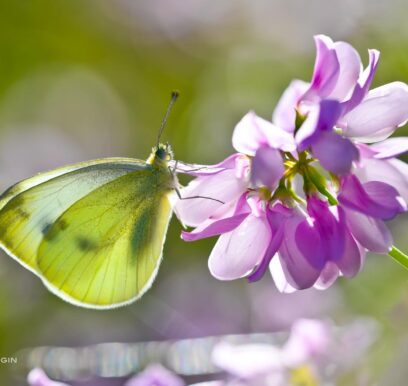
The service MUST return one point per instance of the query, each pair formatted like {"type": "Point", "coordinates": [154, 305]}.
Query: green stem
{"type": "Point", "coordinates": [399, 256]}
{"type": "Point", "coordinates": [314, 177]}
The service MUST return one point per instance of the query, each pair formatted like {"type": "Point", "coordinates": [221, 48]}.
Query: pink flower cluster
{"type": "Point", "coordinates": [308, 193]}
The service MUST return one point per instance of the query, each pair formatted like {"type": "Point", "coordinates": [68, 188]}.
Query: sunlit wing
{"type": "Point", "coordinates": [93, 231]}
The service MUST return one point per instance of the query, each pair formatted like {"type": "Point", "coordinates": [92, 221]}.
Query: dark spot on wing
{"type": "Point", "coordinates": [85, 244]}
{"type": "Point", "coordinates": [62, 224]}
{"type": "Point", "coordinates": [50, 231]}
{"type": "Point", "coordinates": [22, 213]}
{"type": "Point", "coordinates": [46, 228]}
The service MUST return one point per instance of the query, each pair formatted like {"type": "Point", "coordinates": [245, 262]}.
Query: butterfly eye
{"type": "Point", "coordinates": [161, 153]}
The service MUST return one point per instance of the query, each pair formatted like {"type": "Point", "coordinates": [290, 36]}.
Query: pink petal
{"type": "Point", "coordinates": [278, 276]}
{"type": "Point", "coordinates": [329, 275]}
{"type": "Point", "coordinates": [284, 114]}
{"type": "Point", "coordinates": [252, 132]}
{"type": "Point", "coordinates": [267, 168]}
{"type": "Point", "coordinates": [298, 271]}
{"type": "Point", "coordinates": [326, 70]}
{"type": "Point", "coordinates": [369, 232]}
{"type": "Point", "coordinates": [335, 153]}
{"type": "Point", "coordinates": [350, 68]}
{"type": "Point", "coordinates": [353, 257]}
{"type": "Point", "coordinates": [223, 221]}
{"type": "Point", "coordinates": [381, 112]}
{"type": "Point", "coordinates": [223, 186]}
{"type": "Point", "coordinates": [275, 220]}
{"type": "Point", "coordinates": [237, 253]}
{"type": "Point", "coordinates": [391, 147]}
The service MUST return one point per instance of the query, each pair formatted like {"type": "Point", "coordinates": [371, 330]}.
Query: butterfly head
{"type": "Point", "coordinates": [161, 153]}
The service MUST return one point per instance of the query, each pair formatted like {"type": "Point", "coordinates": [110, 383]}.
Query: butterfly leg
{"type": "Point", "coordinates": [176, 188]}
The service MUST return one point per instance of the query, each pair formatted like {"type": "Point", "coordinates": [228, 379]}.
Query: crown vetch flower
{"type": "Point", "coordinates": [304, 197]}
{"type": "Point", "coordinates": [337, 109]}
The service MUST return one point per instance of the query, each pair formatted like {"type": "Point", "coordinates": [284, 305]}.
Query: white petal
{"type": "Point", "coordinates": [379, 114]}
{"type": "Point", "coordinates": [223, 186]}
{"type": "Point", "coordinates": [236, 253]}
{"type": "Point", "coordinates": [350, 68]}
{"type": "Point", "coordinates": [278, 276]}
{"type": "Point", "coordinates": [284, 114]}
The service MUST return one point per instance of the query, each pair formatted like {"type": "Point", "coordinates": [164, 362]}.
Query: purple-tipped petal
{"type": "Point", "coordinates": [391, 147]}
{"type": "Point", "coordinates": [237, 253]}
{"type": "Point", "coordinates": [321, 119]}
{"type": "Point", "coordinates": [335, 153]}
{"type": "Point", "coordinates": [353, 257]}
{"type": "Point", "coordinates": [350, 67]}
{"type": "Point", "coordinates": [298, 271]}
{"type": "Point", "coordinates": [364, 82]}
{"type": "Point", "coordinates": [326, 70]}
{"type": "Point", "coordinates": [215, 228]}
{"type": "Point", "coordinates": [369, 232]}
{"type": "Point", "coordinates": [284, 114]}
{"type": "Point", "coordinates": [223, 221]}
{"type": "Point", "coordinates": [308, 131]}
{"type": "Point", "coordinates": [252, 132]}
{"type": "Point", "coordinates": [275, 220]}
{"type": "Point", "coordinates": [383, 110]}
{"type": "Point", "coordinates": [329, 275]}
{"type": "Point", "coordinates": [376, 199]}
{"type": "Point", "coordinates": [391, 171]}
{"type": "Point", "coordinates": [267, 168]}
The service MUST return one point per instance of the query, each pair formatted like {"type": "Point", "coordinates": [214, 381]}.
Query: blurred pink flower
{"type": "Point", "coordinates": [155, 375]}
{"type": "Point", "coordinates": [37, 377]}
{"type": "Point", "coordinates": [313, 345]}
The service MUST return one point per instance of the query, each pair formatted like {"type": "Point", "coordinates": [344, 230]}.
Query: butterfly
{"type": "Point", "coordinates": [93, 231]}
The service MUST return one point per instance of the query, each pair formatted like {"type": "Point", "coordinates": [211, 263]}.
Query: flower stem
{"type": "Point", "coordinates": [399, 256]}
{"type": "Point", "coordinates": [314, 177]}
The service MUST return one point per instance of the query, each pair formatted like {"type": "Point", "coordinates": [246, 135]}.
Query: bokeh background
{"type": "Point", "coordinates": [87, 79]}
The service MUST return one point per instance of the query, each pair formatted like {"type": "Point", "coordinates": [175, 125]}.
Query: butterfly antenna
{"type": "Point", "coordinates": [174, 96]}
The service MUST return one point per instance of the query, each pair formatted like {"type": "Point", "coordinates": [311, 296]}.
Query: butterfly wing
{"type": "Point", "coordinates": [94, 233]}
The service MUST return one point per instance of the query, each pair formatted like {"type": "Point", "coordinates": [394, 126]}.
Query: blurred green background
{"type": "Point", "coordinates": [87, 79]}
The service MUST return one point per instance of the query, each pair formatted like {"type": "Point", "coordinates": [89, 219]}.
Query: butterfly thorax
{"type": "Point", "coordinates": [159, 158]}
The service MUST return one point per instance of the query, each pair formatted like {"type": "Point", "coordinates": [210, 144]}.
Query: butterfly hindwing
{"type": "Point", "coordinates": [93, 232]}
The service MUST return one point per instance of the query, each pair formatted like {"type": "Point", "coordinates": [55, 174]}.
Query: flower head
{"type": "Point", "coordinates": [304, 197]}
